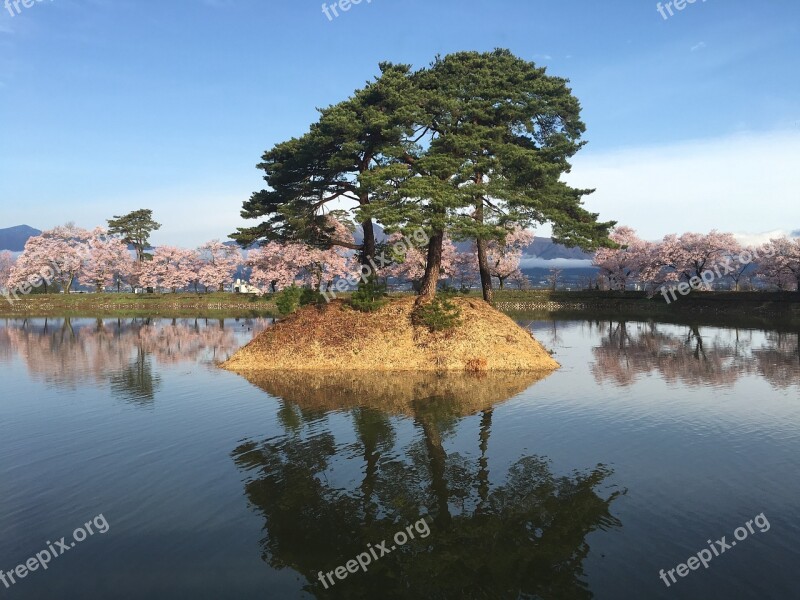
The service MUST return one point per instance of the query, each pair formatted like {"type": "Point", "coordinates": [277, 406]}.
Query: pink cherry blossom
{"type": "Point", "coordinates": [170, 268]}
{"type": "Point", "coordinates": [7, 261]}
{"type": "Point", "coordinates": [107, 261]}
{"type": "Point", "coordinates": [220, 262]}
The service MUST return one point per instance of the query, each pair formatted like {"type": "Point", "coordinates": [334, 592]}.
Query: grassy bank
{"type": "Point", "coordinates": [745, 309]}
{"type": "Point", "coordinates": [757, 308]}
{"type": "Point", "coordinates": [138, 305]}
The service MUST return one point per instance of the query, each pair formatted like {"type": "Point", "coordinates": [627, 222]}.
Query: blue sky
{"type": "Point", "coordinates": [113, 105]}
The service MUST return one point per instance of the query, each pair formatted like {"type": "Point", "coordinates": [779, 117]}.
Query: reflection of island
{"type": "Point", "coordinates": [70, 352]}
{"type": "Point", "coordinates": [518, 534]}
{"type": "Point", "coordinates": [683, 354]}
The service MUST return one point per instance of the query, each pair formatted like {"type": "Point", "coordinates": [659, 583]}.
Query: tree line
{"type": "Point", "coordinates": [691, 257]}
{"type": "Point", "coordinates": [119, 257]}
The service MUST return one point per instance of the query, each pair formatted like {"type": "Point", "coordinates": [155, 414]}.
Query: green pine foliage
{"type": "Point", "coordinates": [439, 314]}
{"type": "Point", "coordinates": [311, 296]}
{"type": "Point", "coordinates": [370, 295]}
{"type": "Point", "coordinates": [288, 299]}
{"type": "Point", "coordinates": [464, 147]}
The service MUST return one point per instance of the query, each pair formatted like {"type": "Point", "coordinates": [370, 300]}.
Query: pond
{"type": "Point", "coordinates": [168, 478]}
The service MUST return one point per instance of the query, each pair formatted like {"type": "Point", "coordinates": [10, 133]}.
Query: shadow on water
{"type": "Point", "coordinates": [517, 533]}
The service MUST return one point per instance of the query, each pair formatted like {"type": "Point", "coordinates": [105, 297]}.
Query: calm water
{"type": "Point", "coordinates": [652, 439]}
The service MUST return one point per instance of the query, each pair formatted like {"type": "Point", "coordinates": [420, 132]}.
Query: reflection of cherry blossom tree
{"type": "Point", "coordinates": [68, 353]}
{"type": "Point", "coordinates": [779, 361]}
{"type": "Point", "coordinates": [629, 351]}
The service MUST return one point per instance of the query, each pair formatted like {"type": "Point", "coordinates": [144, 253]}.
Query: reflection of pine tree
{"type": "Point", "coordinates": [136, 382]}
{"type": "Point", "coordinates": [526, 535]}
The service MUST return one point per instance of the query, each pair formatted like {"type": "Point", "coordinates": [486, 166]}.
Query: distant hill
{"type": "Point", "coordinates": [542, 247]}
{"type": "Point", "coordinates": [14, 238]}
{"type": "Point", "coordinates": [545, 249]}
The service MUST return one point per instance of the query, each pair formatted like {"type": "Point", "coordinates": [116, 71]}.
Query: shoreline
{"type": "Point", "coordinates": [756, 306]}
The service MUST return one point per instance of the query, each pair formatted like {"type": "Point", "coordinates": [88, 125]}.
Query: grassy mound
{"type": "Point", "coordinates": [334, 337]}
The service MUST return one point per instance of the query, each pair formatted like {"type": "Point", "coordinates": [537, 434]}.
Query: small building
{"type": "Point", "coordinates": [241, 287]}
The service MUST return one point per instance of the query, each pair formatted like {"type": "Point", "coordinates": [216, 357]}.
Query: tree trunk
{"type": "Point", "coordinates": [483, 260]}
{"type": "Point", "coordinates": [433, 267]}
{"type": "Point", "coordinates": [368, 251]}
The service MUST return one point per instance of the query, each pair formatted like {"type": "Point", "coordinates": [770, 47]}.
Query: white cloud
{"type": "Point", "coordinates": [531, 262]}
{"type": "Point", "coordinates": [757, 239]}
{"type": "Point", "coordinates": [746, 183]}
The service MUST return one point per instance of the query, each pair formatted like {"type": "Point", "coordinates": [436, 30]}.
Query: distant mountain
{"type": "Point", "coordinates": [542, 248]}
{"type": "Point", "coordinates": [14, 238]}
{"type": "Point", "coordinates": [545, 249]}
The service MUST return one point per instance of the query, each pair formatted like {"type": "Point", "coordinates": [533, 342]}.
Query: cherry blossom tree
{"type": "Point", "coordinates": [170, 268]}
{"type": "Point", "coordinates": [220, 262]}
{"type": "Point", "coordinates": [691, 254]}
{"type": "Point", "coordinates": [7, 261]}
{"type": "Point", "coordinates": [62, 249]}
{"type": "Point", "coordinates": [504, 257]}
{"type": "Point", "coordinates": [465, 270]}
{"type": "Point", "coordinates": [409, 260]}
{"type": "Point", "coordinates": [626, 264]}
{"type": "Point", "coordinates": [273, 266]}
{"type": "Point", "coordinates": [779, 263]}
{"type": "Point", "coordinates": [743, 263]}
{"type": "Point", "coordinates": [108, 261]}
{"type": "Point", "coordinates": [322, 266]}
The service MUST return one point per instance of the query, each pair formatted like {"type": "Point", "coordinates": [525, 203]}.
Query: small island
{"type": "Point", "coordinates": [336, 337]}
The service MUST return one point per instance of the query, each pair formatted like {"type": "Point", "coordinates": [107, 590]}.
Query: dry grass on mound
{"type": "Point", "coordinates": [336, 337]}
{"type": "Point", "coordinates": [457, 394]}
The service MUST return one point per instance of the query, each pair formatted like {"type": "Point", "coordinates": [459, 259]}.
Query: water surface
{"type": "Point", "coordinates": [651, 439]}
